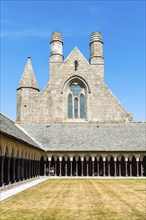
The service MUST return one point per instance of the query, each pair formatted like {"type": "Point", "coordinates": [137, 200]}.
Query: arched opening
{"type": "Point", "coordinates": [100, 166]}
{"type": "Point", "coordinates": [112, 172]}
{"type": "Point", "coordinates": [122, 166]}
{"type": "Point", "coordinates": [42, 166]}
{"type": "Point", "coordinates": [134, 168]}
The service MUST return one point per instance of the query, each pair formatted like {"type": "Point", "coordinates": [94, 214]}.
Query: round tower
{"type": "Point", "coordinates": [96, 49]}
{"type": "Point", "coordinates": [56, 44]}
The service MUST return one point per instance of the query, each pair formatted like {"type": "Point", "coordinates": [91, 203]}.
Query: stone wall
{"type": "Point", "coordinates": [51, 105]}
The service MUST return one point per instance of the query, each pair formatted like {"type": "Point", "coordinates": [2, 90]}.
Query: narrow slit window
{"type": "Point", "coordinates": [76, 65]}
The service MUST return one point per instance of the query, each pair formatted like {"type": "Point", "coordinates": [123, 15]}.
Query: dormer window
{"type": "Point", "coordinates": [76, 65]}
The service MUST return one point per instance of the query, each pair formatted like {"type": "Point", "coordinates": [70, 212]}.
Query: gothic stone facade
{"type": "Point", "coordinates": [51, 105]}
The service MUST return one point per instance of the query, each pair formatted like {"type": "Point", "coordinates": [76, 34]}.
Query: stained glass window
{"type": "Point", "coordinates": [76, 107]}
{"type": "Point", "coordinates": [81, 106]}
{"type": "Point", "coordinates": [76, 89]}
{"type": "Point", "coordinates": [76, 101]}
{"type": "Point", "coordinates": [70, 106]}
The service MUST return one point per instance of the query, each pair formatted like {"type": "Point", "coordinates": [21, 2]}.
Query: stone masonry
{"type": "Point", "coordinates": [51, 104]}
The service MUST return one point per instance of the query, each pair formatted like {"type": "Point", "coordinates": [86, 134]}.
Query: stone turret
{"type": "Point", "coordinates": [28, 79]}
{"type": "Point", "coordinates": [56, 54]}
{"type": "Point", "coordinates": [26, 91]}
{"type": "Point", "coordinates": [96, 49]}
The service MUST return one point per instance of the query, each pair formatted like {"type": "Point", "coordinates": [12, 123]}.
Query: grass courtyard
{"type": "Point", "coordinates": [79, 199]}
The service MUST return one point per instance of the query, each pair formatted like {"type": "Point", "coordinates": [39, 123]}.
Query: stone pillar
{"type": "Point", "coordinates": [141, 168]}
{"type": "Point", "coordinates": [2, 171]}
{"type": "Point", "coordinates": [109, 170]}
{"type": "Point", "coordinates": [97, 168]}
{"type": "Point", "coordinates": [65, 168]}
{"type": "Point", "coordinates": [76, 168]}
{"type": "Point", "coordinates": [49, 167]}
{"type": "Point", "coordinates": [87, 167]}
{"type": "Point", "coordinates": [130, 168]}
{"type": "Point", "coordinates": [126, 160]}
{"type": "Point", "coordinates": [55, 168]}
{"type": "Point", "coordinates": [137, 166]}
{"type": "Point", "coordinates": [119, 168]}
{"type": "Point", "coordinates": [44, 168]}
{"type": "Point", "coordinates": [93, 159]}
{"type": "Point", "coordinates": [71, 159]}
{"type": "Point", "coordinates": [82, 164]}
{"type": "Point", "coordinates": [115, 166]}
{"type": "Point", "coordinates": [60, 163]}
{"type": "Point", "coordinates": [104, 159]}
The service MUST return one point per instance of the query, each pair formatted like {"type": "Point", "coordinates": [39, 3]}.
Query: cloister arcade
{"type": "Point", "coordinates": [101, 165]}
{"type": "Point", "coordinates": [19, 161]}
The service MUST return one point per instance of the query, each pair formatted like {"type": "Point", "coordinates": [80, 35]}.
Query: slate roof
{"type": "Point", "coordinates": [8, 128]}
{"type": "Point", "coordinates": [89, 137]}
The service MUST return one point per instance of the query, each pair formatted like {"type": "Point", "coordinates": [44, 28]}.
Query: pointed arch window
{"type": "Point", "coordinates": [76, 101]}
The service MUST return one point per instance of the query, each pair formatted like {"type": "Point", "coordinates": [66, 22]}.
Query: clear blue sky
{"type": "Point", "coordinates": [26, 27]}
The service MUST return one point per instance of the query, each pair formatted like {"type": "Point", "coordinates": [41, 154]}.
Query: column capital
{"type": "Point", "coordinates": [104, 159]}
{"type": "Point", "coordinates": [93, 158]}
{"type": "Point", "coordinates": [49, 158]}
{"type": "Point", "coordinates": [115, 159]}
{"type": "Point", "coordinates": [82, 158]}
{"type": "Point", "coordinates": [71, 158]}
{"type": "Point", "coordinates": [137, 159]}
{"type": "Point", "coordinates": [126, 159]}
{"type": "Point", "coordinates": [60, 159]}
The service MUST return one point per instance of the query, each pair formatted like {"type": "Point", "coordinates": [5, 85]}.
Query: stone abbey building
{"type": "Point", "coordinates": [75, 126]}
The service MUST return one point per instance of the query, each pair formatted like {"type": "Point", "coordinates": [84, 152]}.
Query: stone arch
{"type": "Point", "coordinates": [76, 79]}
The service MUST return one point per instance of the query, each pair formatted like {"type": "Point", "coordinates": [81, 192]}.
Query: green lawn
{"type": "Point", "coordinates": [66, 199]}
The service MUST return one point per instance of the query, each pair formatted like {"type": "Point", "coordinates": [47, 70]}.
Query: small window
{"type": "Point", "coordinates": [76, 65]}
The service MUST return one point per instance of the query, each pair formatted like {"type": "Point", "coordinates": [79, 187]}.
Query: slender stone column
{"type": "Point", "coordinates": [137, 166]}
{"type": "Point", "coordinates": [97, 168]}
{"type": "Point", "coordinates": [49, 168]}
{"type": "Point", "coordinates": [2, 171]}
{"type": "Point", "coordinates": [126, 160]}
{"type": "Point", "coordinates": [104, 159]}
{"type": "Point", "coordinates": [13, 170]}
{"type": "Point", "coordinates": [87, 164]}
{"type": "Point", "coordinates": [115, 166]}
{"type": "Point", "coordinates": [60, 162]}
{"type": "Point", "coordinates": [65, 168]}
{"type": "Point", "coordinates": [76, 168]}
{"type": "Point", "coordinates": [71, 159]}
{"type": "Point", "coordinates": [109, 170]}
{"type": "Point", "coordinates": [141, 168]}
{"type": "Point", "coordinates": [45, 168]}
{"type": "Point", "coordinates": [93, 159]}
{"type": "Point", "coordinates": [55, 168]}
{"type": "Point", "coordinates": [119, 168]}
{"type": "Point", "coordinates": [130, 168]}
{"type": "Point", "coordinates": [82, 161]}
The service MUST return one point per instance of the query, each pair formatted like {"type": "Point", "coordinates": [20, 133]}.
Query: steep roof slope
{"type": "Point", "coordinates": [8, 128]}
